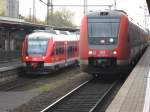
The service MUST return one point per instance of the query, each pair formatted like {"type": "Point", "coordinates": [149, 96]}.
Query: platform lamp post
{"type": "Point", "coordinates": [48, 5]}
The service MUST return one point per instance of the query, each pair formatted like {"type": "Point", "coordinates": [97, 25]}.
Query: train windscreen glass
{"type": "Point", "coordinates": [37, 46]}
{"type": "Point", "coordinates": [99, 28]}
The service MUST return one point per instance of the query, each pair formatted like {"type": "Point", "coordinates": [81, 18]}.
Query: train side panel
{"type": "Point", "coordinates": [123, 48]}
{"type": "Point", "coordinates": [83, 51]}
{"type": "Point", "coordinates": [58, 52]}
{"type": "Point", "coordinates": [24, 47]}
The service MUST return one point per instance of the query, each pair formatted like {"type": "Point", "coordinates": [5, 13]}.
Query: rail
{"type": "Point", "coordinates": [85, 98]}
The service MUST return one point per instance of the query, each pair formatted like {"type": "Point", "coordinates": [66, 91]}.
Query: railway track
{"type": "Point", "coordinates": [28, 80]}
{"type": "Point", "coordinates": [18, 83]}
{"type": "Point", "coordinates": [84, 98]}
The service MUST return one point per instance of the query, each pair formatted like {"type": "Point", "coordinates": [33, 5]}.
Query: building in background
{"type": "Point", "coordinates": [3, 8]}
{"type": "Point", "coordinates": [9, 8]}
{"type": "Point", "coordinates": [13, 8]}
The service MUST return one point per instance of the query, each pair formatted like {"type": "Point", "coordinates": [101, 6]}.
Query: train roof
{"type": "Point", "coordinates": [106, 13]}
{"type": "Point", "coordinates": [55, 37]}
{"type": "Point", "coordinates": [43, 35]}
{"type": "Point", "coordinates": [112, 14]}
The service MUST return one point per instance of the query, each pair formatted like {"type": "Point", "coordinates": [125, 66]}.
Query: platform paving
{"type": "Point", "coordinates": [9, 70]}
{"type": "Point", "coordinates": [11, 100]}
{"type": "Point", "coordinates": [132, 97]}
{"type": "Point", "coordinates": [10, 63]}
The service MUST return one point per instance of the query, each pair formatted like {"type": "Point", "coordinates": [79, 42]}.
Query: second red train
{"type": "Point", "coordinates": [44, 51]}
{"type": "Point", "coordinates": [109, 42]}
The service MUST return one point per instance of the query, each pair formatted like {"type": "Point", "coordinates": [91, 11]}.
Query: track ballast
{"type": "Point", "coordinates": [84, 99]}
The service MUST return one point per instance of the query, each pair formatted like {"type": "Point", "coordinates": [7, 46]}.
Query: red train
{"type": "Point", "coordinates": [44, 51]}
{"type": "Point", "coordinates": [109, 42]}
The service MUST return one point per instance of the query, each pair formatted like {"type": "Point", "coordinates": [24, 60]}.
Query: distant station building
{"type": "Point", "coordinates": [3, 8]}
{"type": "Point", "coordinates": [9, 8]}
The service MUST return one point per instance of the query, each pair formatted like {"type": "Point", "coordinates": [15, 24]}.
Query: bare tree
{"type": "Point", "coordinates": [36, 20]}
{"type": "Point", "coordinates": [61, 18]}
{"type": "Point", "coordinates": [2, 13]}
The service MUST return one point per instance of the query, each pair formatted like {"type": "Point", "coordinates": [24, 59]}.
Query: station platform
{"type": "Point", "coordinates": [134, 95]}
{"type": "Point", "coordinates": [9, 70]}
{"type": "Point", "coordinates": [4, 66]}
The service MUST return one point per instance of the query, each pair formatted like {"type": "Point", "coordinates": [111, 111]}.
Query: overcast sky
{"type": "Point", "coordinates": [130, 6]}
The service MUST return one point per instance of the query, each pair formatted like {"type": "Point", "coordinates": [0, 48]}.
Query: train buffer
{"type": "Point", "coordinates": [134, 95]}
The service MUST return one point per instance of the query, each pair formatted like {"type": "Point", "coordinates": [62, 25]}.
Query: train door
{"type": "Point", "coordinates": [57, 52]}
{"type": "Point", "coordinates": [53, 54]}
{"type": "Point", "coordinates": [66, 52]}
{"type": "Point", "coordinates": [61, 51]}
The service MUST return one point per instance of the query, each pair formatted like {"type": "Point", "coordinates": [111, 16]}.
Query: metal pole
{"type": "Point", "coordinates": [51, 12]}
{"type": "Point", "coordinates": [48, 4]}
{"type": "Point", "coordinates": [84, 7]}
{"type": "Point", "coordinates": [30, 15]}
{"type": "Point", "coordinates": [115, 4]}
{"type": "Point", "coordinates": [34, 16]}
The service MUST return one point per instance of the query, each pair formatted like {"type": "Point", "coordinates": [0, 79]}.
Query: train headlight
{"type": "Point", "coordinates": [111, 40]}
{"type": "Point", "coordinates": [90, 52]}
{"type": "Point", "coordinates": [43, 57]}
{"type": "Point", "coordinates": [114, 52]}
{"type": "Point", "coordinates": [27, 57]}
{"type": "Point", "coordinates": [102, 41]}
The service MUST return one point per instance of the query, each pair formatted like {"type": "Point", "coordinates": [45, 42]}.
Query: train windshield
{"type": "Point", "coordinates": [100, 27]}
{"type": "Point", "coordinates": [37, 46]}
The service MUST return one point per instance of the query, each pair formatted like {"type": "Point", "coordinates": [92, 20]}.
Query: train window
{"type": "Point", "coordinates": [57, 51]}
{"type": "Point", "coordinates": [71, 48]}
{"type": "Point", "coordinates": [53, 52]}
{"type": "Point", "coordinates": [129, 38]}
{"type": "Point", "coordinates": [37, 46]}
{"type": "Point", "coordinates": [103, 28]}
{"type": "Point", "coordinates": [62, 50]}
{"type": "Point", "coordinates": [70, 51]}
{"type": "Point", "coordinates": [131, 34]}
{"type": "Point", "coordinates": [76, 48]}
{"type": "Point", "coordinates": [134, 35]}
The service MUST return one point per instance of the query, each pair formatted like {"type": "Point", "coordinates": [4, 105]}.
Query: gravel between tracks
{"type": "Point", "coordinates": [58, 86]}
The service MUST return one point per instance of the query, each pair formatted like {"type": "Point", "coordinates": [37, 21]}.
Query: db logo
{"type": "Point", "coordinates": [102, 52]}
